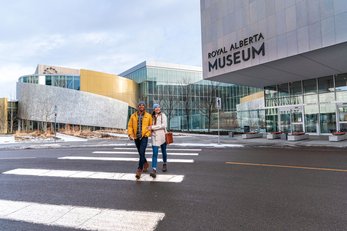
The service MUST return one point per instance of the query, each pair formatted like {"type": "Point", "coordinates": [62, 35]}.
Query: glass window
{"type": "Point", "coordinates": [326, 89]}
{"type": "Point", "coordinates": [270, 92]}
{"type": "Point", "coordinates": [295, 88]}
{"type": "Point", "coordinates": [325, 84]}
{"type": "Point", "coordinates": [326, 97]}
{"type": "Point", "coordinates": [76, 83]}
{"type": "Point", "coordinates": [283, 90]}
{"type": "Point", "coordinates": [59, 81]}
{"type": "Point", "coordinates": [341, 87]}
{"type": "Point", "coordinates": [341, 82]}
{"type": "Point", "coordinates": [310, 99]}
{"type": "Point", "coordinates": [327, 122]}
{"type": "Point", "coordinates": [327, 117]}
{"type": "Point", "coordinates": [311, 118]}
{"type": "Point", "coordinates": [310, 86]}
{"type": "Point", "coordinates": [48, 80]}
{"type": "Point", "coordinates": [311, 123]}
{"type": "Point", "coordinates": [343, 113]}
{"type": "Point", "coordinates": [69, 82]}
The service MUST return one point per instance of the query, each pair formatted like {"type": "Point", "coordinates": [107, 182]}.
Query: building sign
{"type": "Point", "coordinates": [242, 51]}
{"type": "Point", "coordinates": [218, 103]}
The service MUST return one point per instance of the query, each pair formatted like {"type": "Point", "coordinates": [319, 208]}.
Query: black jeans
{"type": "Point", "coordinates": [141, 145]}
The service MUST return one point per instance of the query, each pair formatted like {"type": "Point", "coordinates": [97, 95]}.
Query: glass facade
{"type": "Point", "coordinates": [187, 99]}
{"type": "Point", "coordinates": [65, 81]}
{"type": "Point", "coordinates": [315, 106]}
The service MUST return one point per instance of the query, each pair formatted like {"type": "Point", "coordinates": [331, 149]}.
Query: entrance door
{"type": "Point", "coordinates": [291, 119]}
{"type": "Point", "coordinates": [311, 123]}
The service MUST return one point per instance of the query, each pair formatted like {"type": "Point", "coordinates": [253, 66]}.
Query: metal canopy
{"type": "Point", "coordinates": [317, 63]}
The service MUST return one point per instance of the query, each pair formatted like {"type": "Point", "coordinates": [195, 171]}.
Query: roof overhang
{"type": "Point", "coordinates": [317, 63]}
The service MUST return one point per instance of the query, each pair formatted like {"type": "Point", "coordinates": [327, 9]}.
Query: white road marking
{"type": "Point", "coordinates": [191, 145]}
{"type": "Point", "coordinates": [16, 158]}
{"type": "Point", "coordinates": [136, 153]}
{"type": "Point", "coordinates": [94, 175]}
{"type": "Point", "coordinates": [169, 149]}
{"type": "Point", "coordinates": [79, 217]}
{"type": "Point", "coordinates": [122, 159]}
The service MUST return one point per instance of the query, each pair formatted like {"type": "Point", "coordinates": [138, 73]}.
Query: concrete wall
{"type": "Point", "coordinates": [36, 102]}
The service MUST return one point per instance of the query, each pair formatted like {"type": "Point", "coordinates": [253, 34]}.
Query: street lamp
{"type": "Point", "coordinates": [55, 122]}
{"type": "Point", "coordinates": [218, 106]}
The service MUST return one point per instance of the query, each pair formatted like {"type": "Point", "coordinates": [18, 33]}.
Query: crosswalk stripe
{"type": "Point", "coordinates": [16, 158]}
{"type": "Point", "coordinates": [78, 217]}
{"type": "Point", "coordinates": [136, 153]}
{"type": "Point", "coordinates": [94, 175]}
{"type": "Point", "coordinates": [169, 149]}
{"type": "Point", "coordinates": [122, 159]}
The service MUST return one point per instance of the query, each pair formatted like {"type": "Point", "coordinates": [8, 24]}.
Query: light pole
{"type": "Point", "coordinates": [55, 122]}
{"type": "Point", "coordinates": [218, 106]}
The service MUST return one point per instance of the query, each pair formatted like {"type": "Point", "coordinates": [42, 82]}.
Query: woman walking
{"type": "Point", "coordinates": [158, 138]}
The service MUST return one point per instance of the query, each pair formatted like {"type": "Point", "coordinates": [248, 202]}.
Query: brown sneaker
{"type": "Point", "coordinates": [164, 168]}
{"type": "Point", "coordinates": [145, 166]}
{"type": "Point", "coordinates": [138, 173]}
{"type": "Point", "coordinates": [153, 173]}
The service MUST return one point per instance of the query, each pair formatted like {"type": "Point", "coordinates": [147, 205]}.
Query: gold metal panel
{"type": "Point", "coordinates": [252, 97]}
{"type": "Point", "coordinates": [3, 115]}
{"type": "Point", "coordinates": [109, 85]}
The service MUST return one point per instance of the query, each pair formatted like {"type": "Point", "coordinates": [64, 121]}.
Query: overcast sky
{"type": "Point", "coordinates": [102, 35]}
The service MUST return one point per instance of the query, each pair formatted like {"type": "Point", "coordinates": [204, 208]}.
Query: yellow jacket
{"type": "Point", "coordinates": [133, 121]}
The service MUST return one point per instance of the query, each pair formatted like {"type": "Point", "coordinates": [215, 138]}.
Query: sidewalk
{"type": "Point", "coordinates": [312, 141]}
{"type": "Point", "coordinates": [180, 139]}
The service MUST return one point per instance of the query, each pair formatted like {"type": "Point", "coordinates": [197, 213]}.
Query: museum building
{"type": "Point", "coordinates": [77, 97]}
{"type": "Point", "coordinates": [295, 50]}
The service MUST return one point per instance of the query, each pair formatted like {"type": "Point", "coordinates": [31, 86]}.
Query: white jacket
{"type": "Point", "coordinates": [159, 130]}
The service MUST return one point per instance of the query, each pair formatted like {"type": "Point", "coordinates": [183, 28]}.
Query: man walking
{"type": "Point", "coordinates": [138, 131]}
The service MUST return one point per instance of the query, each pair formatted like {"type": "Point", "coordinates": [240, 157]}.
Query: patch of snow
{"type": "Point", "coordinates": [7, 139]}
{"type": "Point", "coordinates": [117, 135]}
{"type": "Point", "coordinates": [209, 145]}
{"type": "Point", "coordinates": [64, 137]}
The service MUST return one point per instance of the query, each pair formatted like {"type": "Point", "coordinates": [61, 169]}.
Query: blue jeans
{"type": "Point", "coordinates": [155, 154]}
{"type": "Point", "coordinates": [141, 145]}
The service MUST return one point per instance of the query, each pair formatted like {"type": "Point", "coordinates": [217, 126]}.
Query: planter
{"type": "Point", "coordinates": [338, 136]}
{"type": "Point", "coordinates": [274, 135]}
{"type": "Point", "coordinates": [297, 136]}
{"type": "Point", "coordinates": [252, 135]}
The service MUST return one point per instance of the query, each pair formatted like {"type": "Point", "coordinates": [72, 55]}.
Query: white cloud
{"type": "Point", "coordinates": [100, 35]}
{"type": "Point", "coordinates": [8, 77]}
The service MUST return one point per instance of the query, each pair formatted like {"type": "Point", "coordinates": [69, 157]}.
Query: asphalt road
{"type": "Point", "coordinates": [247, 188]}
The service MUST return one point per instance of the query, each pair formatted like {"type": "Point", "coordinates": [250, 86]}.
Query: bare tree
{"type": "Point", "coordinates": [12, 115]}
{"type": "Point", "coordinates": [168, 101]}
{"type": "Point", "coordinates": [186, 95]}
{"type": "Point", "coordinates": [208, 103]}
{"type": "Point", "coordinates": [234, 121]}
{"type": "Point", "coordinates": [46, 114]}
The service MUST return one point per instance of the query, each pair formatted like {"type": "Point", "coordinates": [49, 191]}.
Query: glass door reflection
{"type": "Point", "coordinates": [291, 119]}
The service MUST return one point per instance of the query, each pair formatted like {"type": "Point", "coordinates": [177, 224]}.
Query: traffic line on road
{"type": "Point", "coordinates": [78, 217]}
{"type": "Point", "coordinates": [122, 159]}
{"type": "Point", "coordinates": [168, 149]}
{"type": "Point", "coordinates": [16, 158]}
{"type": "Point", "coordinates": [136, 153]}
{"type": "Point", "coordinates": [94, 175]}
{"type": "Point", "coordinates": [288, 166]}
